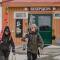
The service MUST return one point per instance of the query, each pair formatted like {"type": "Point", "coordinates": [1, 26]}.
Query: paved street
{"type": "Point", "coordinates": [42, 57]}
{"type": "Point", "coordinates": [48, 53]}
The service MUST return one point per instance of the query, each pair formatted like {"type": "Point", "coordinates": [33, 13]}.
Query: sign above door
{"type": "Point", "coordinates": [41, 9]}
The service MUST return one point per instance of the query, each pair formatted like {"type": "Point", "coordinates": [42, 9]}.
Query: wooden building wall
{"type": "Point", "coordinates": [11, 21]}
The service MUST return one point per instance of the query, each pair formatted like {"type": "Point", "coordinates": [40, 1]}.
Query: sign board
{"type": "Point", "coordinates": [41, 9]}
{"type": "Point", "coordinates": [0, 19]}
{"type": "Point", "coordinates": [20, 15]}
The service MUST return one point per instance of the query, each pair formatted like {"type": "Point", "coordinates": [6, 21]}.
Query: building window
{"type": "Point", "coordinates": [19, 16]}
{"type": "Point", "coordinates": [18, 27]}
{"type": "Point", "coordinates": [44, 23]}
{"type": "Point", "coordinates": [56, 15]}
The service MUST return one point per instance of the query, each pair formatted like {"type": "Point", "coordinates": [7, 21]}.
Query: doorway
{"type": "Point", "coordinates": [44, 23]}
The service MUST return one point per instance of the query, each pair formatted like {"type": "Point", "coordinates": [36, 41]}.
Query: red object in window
{"type": "Point", "coordinates": [6, 17]}
{"type": "Point", "coordinates": [5, 22]}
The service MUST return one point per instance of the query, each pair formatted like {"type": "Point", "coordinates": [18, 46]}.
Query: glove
{"type": "Point", "coordinates": [13, 50]}
{"type": "Point", "coordinates": [13, 53]}
{"type": "Point", "coordinates": [24, 47]}
{"type": "Point", "coordinates": [41, 48]}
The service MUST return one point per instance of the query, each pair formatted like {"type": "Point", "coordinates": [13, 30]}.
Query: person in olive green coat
{"type": "Point", "coordinates": [34, 41]}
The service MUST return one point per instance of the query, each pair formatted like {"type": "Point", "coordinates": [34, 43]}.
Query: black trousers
{"type": "Point", "coordinates": [6, 55]}
{"type": "Point", "coordinates": [31, 56]}
{"type": "Point", "coordinates": [1, 55]}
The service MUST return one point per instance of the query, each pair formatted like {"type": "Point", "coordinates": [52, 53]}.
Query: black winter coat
{"type": "Point", "coordinates": [7, 41]}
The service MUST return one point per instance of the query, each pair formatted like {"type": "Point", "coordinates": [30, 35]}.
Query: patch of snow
{"type": "Point", "coordinates": [57, 57]}
{"type": "Point", "coordinates": [52, 46]}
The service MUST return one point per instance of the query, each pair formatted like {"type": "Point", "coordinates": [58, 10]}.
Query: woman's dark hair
{"type": "Point", "coordinates": [6, 29]}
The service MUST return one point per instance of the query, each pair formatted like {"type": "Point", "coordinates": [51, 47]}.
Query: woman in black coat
{"type": "Point", "coordinates": [7, 41]}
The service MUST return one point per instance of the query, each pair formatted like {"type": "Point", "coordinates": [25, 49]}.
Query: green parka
{"type": "Point", "coordinates": [34, 41]}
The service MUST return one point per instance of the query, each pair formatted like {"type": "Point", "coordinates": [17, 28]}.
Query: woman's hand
{"type": "Point", "coordinates": [13, 53]}
{"type": "Point", "coordinates": [23, 39]}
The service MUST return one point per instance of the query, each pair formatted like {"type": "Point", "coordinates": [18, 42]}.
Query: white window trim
{"type": "Point", "coordinates": [56, 17]}
{"type": "Point", "coordinates": [17, 12]}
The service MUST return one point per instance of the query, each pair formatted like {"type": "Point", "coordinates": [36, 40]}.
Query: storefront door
{"type": "Point", "coordinates": [44, 23]}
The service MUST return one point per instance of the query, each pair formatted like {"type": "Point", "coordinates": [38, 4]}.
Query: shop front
{"type": "Point", "coordinates": [22, 16]}
{"type": "Point", "coordinates": [19, 22]}
{"type": "Point", "coordinates": [43, 19]}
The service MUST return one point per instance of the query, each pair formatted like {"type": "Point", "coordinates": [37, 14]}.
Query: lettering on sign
{"type": "Point", "coordinates": [41, 9]}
